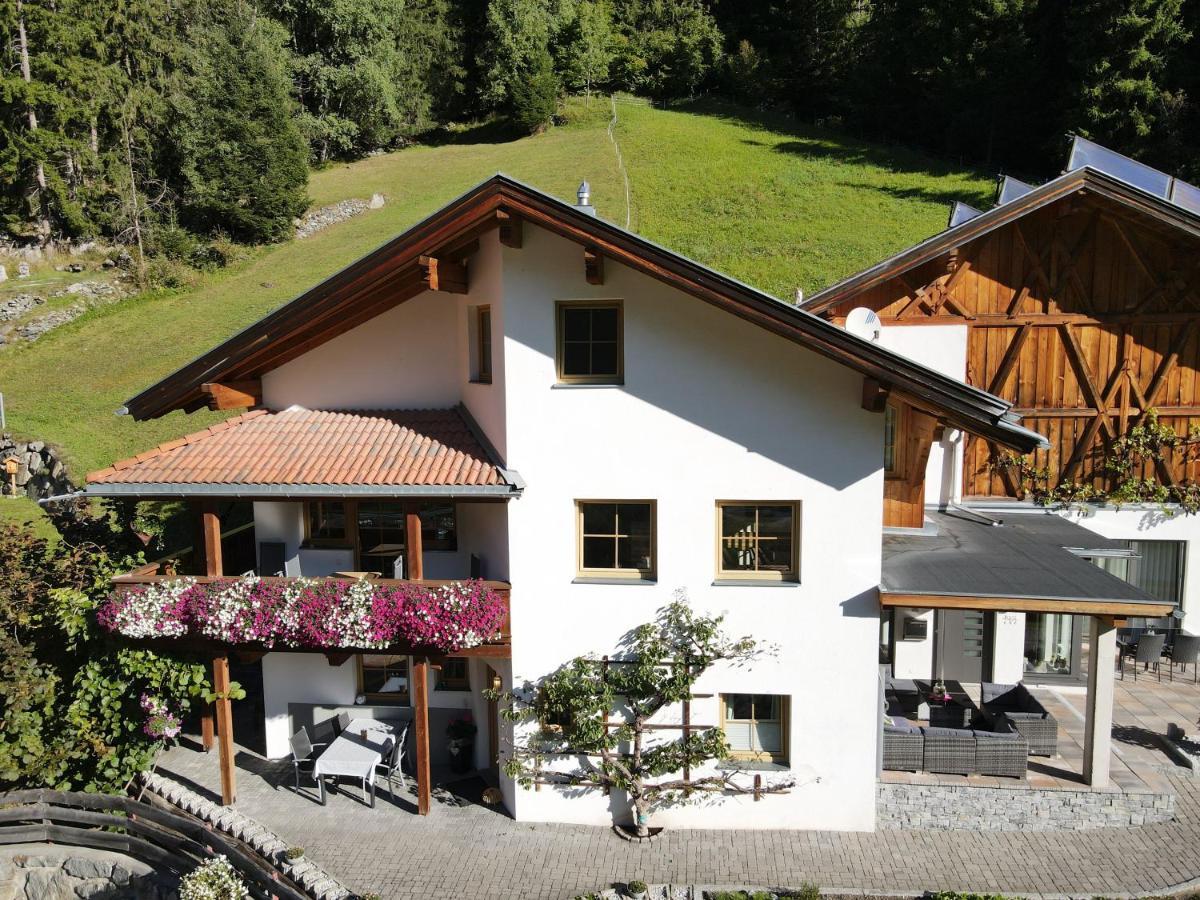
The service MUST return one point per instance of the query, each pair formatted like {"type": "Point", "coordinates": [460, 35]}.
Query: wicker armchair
{"type": "Point", "coordinates": [1012, 703]}
{"type": "Point", "coordinates": [949, 751]}
{"type": "Point", "coordinates": [903, 746]}
{"type": "Point", "coordinates": [1003, 753]}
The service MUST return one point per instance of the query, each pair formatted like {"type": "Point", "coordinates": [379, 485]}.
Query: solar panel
{"type": "Point", "coordinates": [961, 212]}
{"type": "Point", "coordinates": [1087, 153]}
{"type": "Point", "coordinates": [1011, 188]}
{"type": "Point", "coordinates": [1186, 195]}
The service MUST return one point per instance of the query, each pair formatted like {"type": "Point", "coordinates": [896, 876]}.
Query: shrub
{"type": "Point", "coordinates": [637, 887]}
{"type": "Point", "coordinates": [807, 891]}
{"type": "Point", "coordinates": [294, 852]}
{"type": "Point", "coordinates": [213, 880]}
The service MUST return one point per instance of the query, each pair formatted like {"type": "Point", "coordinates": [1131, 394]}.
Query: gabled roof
{"type": "Point", "coordinates": [302, 452]}
{"type": "Point", "coordinates": [1083, 179]}
{"type": "Point", "coordinates": [393, 274]}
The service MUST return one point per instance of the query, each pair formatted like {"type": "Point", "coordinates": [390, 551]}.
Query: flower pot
{"type": "Point", "coordinates": [462, 754]}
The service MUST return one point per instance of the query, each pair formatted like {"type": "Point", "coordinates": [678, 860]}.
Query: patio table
{"type": "Point", "coordinates": [353, 756]}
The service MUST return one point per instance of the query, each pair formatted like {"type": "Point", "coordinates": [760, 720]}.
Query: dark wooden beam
{"type": "Point", "coordinates": [336, 659]}
{"type": "Point", "coordinates": [233, 394]}
{"type": "Point", "coordinates": [420, 694]}
{"type": "Point", "coordinates": [443, 275]}
{"type": "Point", "coordinates": [593, 265]}
{"type": "Point", "coordinates": [414, 553]}
{"type": "Point", "coordinates": [512, 233]}
{"type": "Point", "coordinates": [1075, 606]}
{"type": "Point", "coordinates": [208, 730]}
{"type": "Point", "coordinates": [874, 395]}
{"type": "Point", "coordinates": [1009, 362]}
{"type": "Point", "coordinates": [210, 529]}
{"type": "Point", "coordinates": [224, 729]}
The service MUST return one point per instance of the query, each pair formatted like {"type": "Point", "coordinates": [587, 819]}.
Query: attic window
{"type": "Point", "coordinates": [590, 342]}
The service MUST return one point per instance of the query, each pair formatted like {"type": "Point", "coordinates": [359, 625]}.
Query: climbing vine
{"type": "Point", "coordinates": [1148, 445]}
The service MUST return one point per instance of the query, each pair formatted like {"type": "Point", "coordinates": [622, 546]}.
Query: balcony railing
{"type": "Point", "coordinates": [451, 606]}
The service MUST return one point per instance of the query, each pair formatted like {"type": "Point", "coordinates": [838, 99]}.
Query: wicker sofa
{"type": "Point", "coordinates": [1012, 704]}
{"type": "Point", "coordinates": [903, 742]}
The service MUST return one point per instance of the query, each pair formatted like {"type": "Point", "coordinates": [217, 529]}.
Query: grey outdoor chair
{"type": "Point", "coordinates": [325, 732]}
{"type": "Point", "coordinates": [393, 766]}
{"type": "Point", "coordinates": [303, 759]}
{"type": "Point", "coordinates": [1184, 652]}
{"type": "Point", "coordinates": [1149, 652]}
{"type": "Point", "coordinates": [1003, 753]}
{"type": "Point", "coordinates": [343, 721]}
{"type": "Point", "coordinates": [949, 751]}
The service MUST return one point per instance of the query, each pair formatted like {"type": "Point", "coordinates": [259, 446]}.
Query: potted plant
{"type": "Point", "coordinates": [637, 889]}
{"type": "Point", "coordinates": [461, 744]}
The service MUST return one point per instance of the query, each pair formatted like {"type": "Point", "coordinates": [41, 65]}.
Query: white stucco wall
{"type": "Point", "coordinates": [300, 678]}
{"type": "Point", "coordinates": [913, 659]}
{"type": "Point", "coordinates": [712, 408]}
{"type": "Point", "coordinates": [405, 358]}
{"type": "Point", "coordinates": [942, 348]}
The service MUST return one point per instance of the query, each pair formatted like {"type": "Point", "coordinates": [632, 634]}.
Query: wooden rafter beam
{"type": "Point", "coordinates": [443, 275]}
{"type": "Point", "coordinates": [593, 265]}
{"type": "Point", "coordinates": [1159, 379]}
{"type": "Point", "coordinates": [512, 233]}
{"type": "Point", "coordinates": [874, 395]}
{"type": "Point", "coordinates": [233, 394]}
{"type": "Point", "coordinates": [1083, 374]}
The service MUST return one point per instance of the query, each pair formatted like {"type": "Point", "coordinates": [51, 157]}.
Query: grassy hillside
{"type": "Point", "coordinates": [772, 204]}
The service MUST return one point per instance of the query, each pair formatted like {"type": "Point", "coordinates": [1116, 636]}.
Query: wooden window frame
{"type": "Point", "coordinates": [650, 574]}
{"type": "Point", "coordinates": [559, 309]}
{"type": "Point", "coordinates": [456, 684]}
{"type": "Point", "coordinates": [790, 576]}
{"type": "Point", "coordinates": [348, 542]}
{"type": "Point", "coordinates": [396, 699]}
{"type": "Point", "coordinates": [351, 541]}
{"type": "Point", "coordinates": [899, 436]}
{"type": "Point", "coordinates": [785, 728]}
{"type": "Point", "coordinates": [483, 345]}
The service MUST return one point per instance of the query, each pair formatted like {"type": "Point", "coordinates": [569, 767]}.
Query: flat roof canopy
{"type": "Point", "coordinates": [1022, 565]}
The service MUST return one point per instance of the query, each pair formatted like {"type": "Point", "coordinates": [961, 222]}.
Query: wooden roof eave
{"type": "Point", "coordinates": [1083, 180]}
{"type": "Point", "coordinates": [966, 407]}
{"type": "Point", "coordinates": [1065, 605]}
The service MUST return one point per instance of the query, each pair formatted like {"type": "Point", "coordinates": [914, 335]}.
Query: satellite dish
{"type": "Point", "coordinates": [863, 323]}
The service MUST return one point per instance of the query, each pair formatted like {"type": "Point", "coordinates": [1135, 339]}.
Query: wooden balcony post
{"type": "Point", "coordinates": [224, 729]}
{"type": "Point", "coordinates": [210, 526]}
{"type": "Point", "coordinates": [412, 536]}
{"type": "Point", "coordinates": [420, 685]}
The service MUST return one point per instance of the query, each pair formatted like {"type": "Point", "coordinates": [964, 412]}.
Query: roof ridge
{"type": "Point", "coordinates": [167, 446]}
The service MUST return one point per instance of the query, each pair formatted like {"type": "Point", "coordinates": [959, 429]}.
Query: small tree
{"type": "Point", "coordinates": [658, 668]}
{"type": "Point", "coordinates": [535, 99]}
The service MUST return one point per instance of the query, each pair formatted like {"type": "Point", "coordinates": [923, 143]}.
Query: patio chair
{"type": "Point", "coordinates": [949, 751]}
{"type": "Point", "coordinates": [303, 758]}
{"type": "Point", "coordinates": [903, 745]}
{"type": "Point", "coordinates": [393, 766]}
{"type": "Point", "coordinates": [343, 722]}
{"type": "Point", "coordinates": [325, 732]}
{"type": "Point", "coordinates": [1149, 652]}
{"type": "Point", "coordinates": [1013, 703]}
{"type": "Point", "coordinates": [1004, 753]}
{"type": "Point", "coordinates": [1184, 652]}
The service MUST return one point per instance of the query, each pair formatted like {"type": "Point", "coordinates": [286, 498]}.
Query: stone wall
{"type": "Point", "coordinates": [40, 473]}
{"type": "Point", "coordinates": [943, 807]}
{"type": "Point", "coordinates": [44, 872]}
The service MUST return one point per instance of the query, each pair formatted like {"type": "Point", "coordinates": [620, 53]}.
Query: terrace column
{"type": "Point", "coordinates": [206, 553]}
{"type": "Point", "coordinates": [420, 693]}
{"type": "Point", "coordinates": [224, 729]}
{"type": "Point", "coordinates": [412, 539]}
{"type": "Point", "coordinates": [1097, 736]}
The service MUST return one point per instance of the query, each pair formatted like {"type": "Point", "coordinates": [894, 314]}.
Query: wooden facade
{"type": "Point", "coordinates": [1083, 313]}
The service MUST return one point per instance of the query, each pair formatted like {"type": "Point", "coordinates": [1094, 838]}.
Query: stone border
{"type": "Point", "coordinates": [308, 875]}
{"type": "Point", "coordinates": [944, 807]}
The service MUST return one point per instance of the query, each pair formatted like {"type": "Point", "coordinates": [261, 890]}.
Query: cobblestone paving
{"type": "Point", "coordinates": [472, 851]}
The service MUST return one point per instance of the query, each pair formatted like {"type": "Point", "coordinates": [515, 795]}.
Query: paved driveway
{"type": "Point", "coordinates": [472, 851]}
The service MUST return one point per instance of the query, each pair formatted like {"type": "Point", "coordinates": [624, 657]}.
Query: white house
{"type": "Point", "coordinates": [517, 390]}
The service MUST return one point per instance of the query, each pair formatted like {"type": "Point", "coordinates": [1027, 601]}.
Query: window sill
{"type": "Point", "coordinates": [401, 704]}
{"type": "Point", "coordinates": [479, 381]}
{"type": "Point", "coordinates": [585, 385]}
{"type": "Point", "coordinates": [754, 582]}
{"type": "Point", "coordinates": [752, 765]}
{"type": "Point", "coordinates": [601, 580]}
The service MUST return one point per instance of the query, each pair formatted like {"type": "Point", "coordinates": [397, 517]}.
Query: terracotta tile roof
{"type": "Point", "coordinates": [387, 448]}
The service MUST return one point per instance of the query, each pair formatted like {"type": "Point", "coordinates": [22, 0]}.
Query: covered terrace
{"type": "Point", "coordinates": [325, 469]}
{"type": "Point", "coordinates": [1031, 562]}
